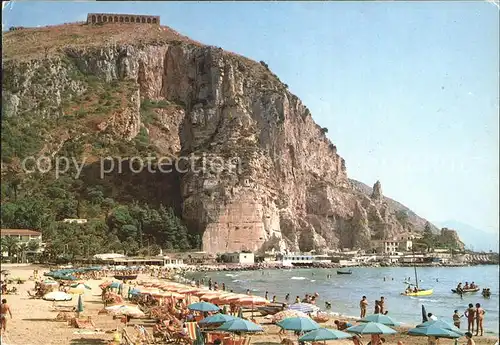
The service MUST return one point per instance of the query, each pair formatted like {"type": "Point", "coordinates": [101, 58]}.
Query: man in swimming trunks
{"type": "Point", "coordinates": [470, 313]}
{"type": "Point", "coordinates": [363, 304]}
{"type": "Point", "coordinates": [4, 309]}
{"type": "Point", "coordinates": [479, 319]}
{"type": "Point", "coordinates": [381, 303]}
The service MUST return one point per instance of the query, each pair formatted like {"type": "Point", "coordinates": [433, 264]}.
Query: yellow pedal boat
{"type": "Point", "coordinates": [419, 293]}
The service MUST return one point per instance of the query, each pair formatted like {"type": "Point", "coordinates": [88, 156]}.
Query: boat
{"type": "Point", "coordinates": [270, 309]}
{"type": "Point", "coordinates": [344, 272]}
{"type": "Point", "coordinates": [466, 290]}
{"type": "Point", "coordinates": [420, 291]}
{"type": "Point", "coordinates": [126, 277]}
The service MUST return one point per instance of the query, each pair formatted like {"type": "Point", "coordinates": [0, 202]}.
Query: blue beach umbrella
{"type": "Point", "coordinates": [300, 324]}
{"type": "Point", "coordinates": [217, 319]}
{"type": "Point", "coordinates": [203, 306]}
{"type": "Point", "coordinates": [114, 285]}
{"type": "Point", "coordinates": [371, 328]}
{"type": "Point", "coordinates": [380, 318]}
{"type": "Point", "coordinates": [323, 334]}
{"type": "Point", "coordinates": [441, 324]}
{"type": "Point", "coordinates": [240, 325]}
{"type": "Point", "coordinates": [433, 331]}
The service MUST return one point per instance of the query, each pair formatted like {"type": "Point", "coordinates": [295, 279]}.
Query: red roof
{"type": "Point", "coordinates": [21, 232]}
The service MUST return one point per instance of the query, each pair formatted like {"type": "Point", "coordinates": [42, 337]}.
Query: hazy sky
{"type": "Point", "coordinates": [408, 90]}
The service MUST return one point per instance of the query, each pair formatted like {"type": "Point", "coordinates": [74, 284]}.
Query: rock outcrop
{"type": "Point", "coordinates": [279, 181]}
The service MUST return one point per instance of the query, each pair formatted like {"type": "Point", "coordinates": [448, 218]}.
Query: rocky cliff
{"type": "Point", "coordinates": [279, 182]}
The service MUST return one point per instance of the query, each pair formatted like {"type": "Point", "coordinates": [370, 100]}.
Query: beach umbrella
{"type": "Point", "coordinates": [303, 307]}
{"type": "Point", "coordinates": [441, 324]}
{"type": "Point", "coordinates": [57, 296]}
{"type": "Point", "coordinates": [203, 306]}
{"type": "Point", "coordinates": [286, 314]}
{"type": "Point", "coordinates": [380, 318]}
{"type": "Point", "coordinates": [240, 325]}
{"type": "Point", "coordinates": [323, 334]}
{"type": "Point", "coordinates": [371, 328]}
{"type": "Point", "coordinates": [105, 284]}
{"type": "Point", "coordinates": [114, 285]}
{"type": "Point", "coordinates": [433, 331]}
{"type": "Point", "coordinates": [79, 307]}
{"type": "Point", "coordinates": [125, 310]}
{"type": "Point", "coordinates": [50, 282]}
{"type": "Point", "coordinates": [81, 286]}
{"type": "Point", "coordinates": [216, 319]}
{"type": "Point", "coordinates": [252, 300]}
{"type": "Point", "coordinates": [300, 324]}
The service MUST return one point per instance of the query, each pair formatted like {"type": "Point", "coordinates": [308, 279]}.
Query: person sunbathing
{"type": "Point", "coordinates": [158, 330]}
{"type": "Point", "coordinates": [341, 325]}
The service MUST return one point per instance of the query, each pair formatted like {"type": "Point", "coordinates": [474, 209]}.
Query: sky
{"type": "Point", "coordinates": [408, 90]}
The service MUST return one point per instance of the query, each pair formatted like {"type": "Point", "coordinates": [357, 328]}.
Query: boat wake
{"type": "Point", "coordinates": [298, 278]}
{"type": "Point", "coordinates": [424, 299]}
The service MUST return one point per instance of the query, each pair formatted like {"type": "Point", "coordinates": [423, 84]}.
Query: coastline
{"type": "Point", "coordinates": [220, 267]}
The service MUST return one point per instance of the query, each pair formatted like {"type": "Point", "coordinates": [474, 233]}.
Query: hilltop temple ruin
{"type": "Point", "coordinates": [104, 18]}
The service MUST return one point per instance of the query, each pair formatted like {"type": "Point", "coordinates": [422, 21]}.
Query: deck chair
{"type": "Point", "coordinates": [191, 330]}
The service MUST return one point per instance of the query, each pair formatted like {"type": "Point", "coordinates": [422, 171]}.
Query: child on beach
{"type": "Point", "coordinates": [470, 341]}
{"type": "Point", "coordinates": [456, 319]}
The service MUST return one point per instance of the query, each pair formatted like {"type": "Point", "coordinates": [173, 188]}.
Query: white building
{"type": "Point", "coordinates": [240, 258]}
{"type": "Point", "coordinates": [303, 259]}
{"type": "Point", "coordinates": [24, 236]}
{"type": "Point", "coordinates": [75, 220]}
{"type": "Point", "coordinates": [395, 245]}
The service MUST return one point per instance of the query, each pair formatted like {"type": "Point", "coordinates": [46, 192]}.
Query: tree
{"type": "Point", "coordinates": [22, 248]}
{"type": "Point", "coordinates": [10, 244]}
{"type": "Point", "coordinates": [33, 245]}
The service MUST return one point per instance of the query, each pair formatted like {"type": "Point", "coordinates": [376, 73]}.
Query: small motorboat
{"type": "Point", "coordinates": [466, 290]}
{"type": "Point", "coordinates": [344, 272]}
{"type": "Point", "coordinates": [125, 277]}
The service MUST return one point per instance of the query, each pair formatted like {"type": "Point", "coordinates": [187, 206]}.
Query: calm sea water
{"type": "Point", "coordinates": [345, 291]}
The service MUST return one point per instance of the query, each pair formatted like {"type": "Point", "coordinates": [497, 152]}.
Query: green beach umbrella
{"type": "Point", "coordinates": [79, 307]}
{"type": "Point", "coordinates": [217, 319]}
{"type": "Point", "coordinates": [240, 325]}
{"type": "Point", "coordinates": [371, 328]}
{"type": "Point", "coordinates": [433, 331]}
{"type": "Point", "coordinates": [203, 306]}
{"type": "Point", "coordinates": [300, 324]}
{"type": "Point", "coordinates": [380, 318]}
{"type": "Point", "coordinates": [323, 334]}
{"type": "Point", "coordinates": [441, 324]}
{"type": "Point", "coordinates": [80, 286]}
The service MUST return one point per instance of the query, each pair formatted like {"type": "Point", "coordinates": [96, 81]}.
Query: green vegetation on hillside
{"type": "Point", "coordinates": [133, 213]}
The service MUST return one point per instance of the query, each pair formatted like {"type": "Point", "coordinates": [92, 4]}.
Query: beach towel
{"type": "Point", "coordinates": [191, 330]}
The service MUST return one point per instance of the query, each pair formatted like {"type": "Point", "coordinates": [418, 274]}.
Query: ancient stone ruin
{"type": "Point", "coordinates": [104, 18]}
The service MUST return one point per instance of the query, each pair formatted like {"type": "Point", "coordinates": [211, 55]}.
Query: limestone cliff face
{"type": "Point", "coordinates": [282, 183]}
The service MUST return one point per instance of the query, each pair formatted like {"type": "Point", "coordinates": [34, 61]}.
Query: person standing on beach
{"type": "Point", "coordinates": [287, 297]}
{"type": "Point", "coordinates": [4, 309]}
{"type": "Point", "coordinates": [470, 313]}
{"type": "Point", "coordinates": [363, 304]}
{"type": "Point", "coordinates": [479, 319]}
{"type": "Point", "coordinates": [381, 303]}
{"type": "Point", "coordinates": [377, 307]}
{"type": "Point", "coordinates": [456, 319]}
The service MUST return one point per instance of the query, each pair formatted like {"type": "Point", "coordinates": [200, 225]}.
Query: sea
{"type": "Point", "coordinates": [345, 291]}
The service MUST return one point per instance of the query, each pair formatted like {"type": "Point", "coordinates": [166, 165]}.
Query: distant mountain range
{"type": "Point", "coordinates": [474, 238]}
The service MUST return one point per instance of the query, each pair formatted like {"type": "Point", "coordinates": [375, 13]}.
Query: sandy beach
{"type": "Point", "coordinates": [33, 321]}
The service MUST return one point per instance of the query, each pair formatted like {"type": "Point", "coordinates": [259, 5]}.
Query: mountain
{"type": "Point", "coordinates": [474, 238]}
{"type": "Point", "coordinates": [249, 169]}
